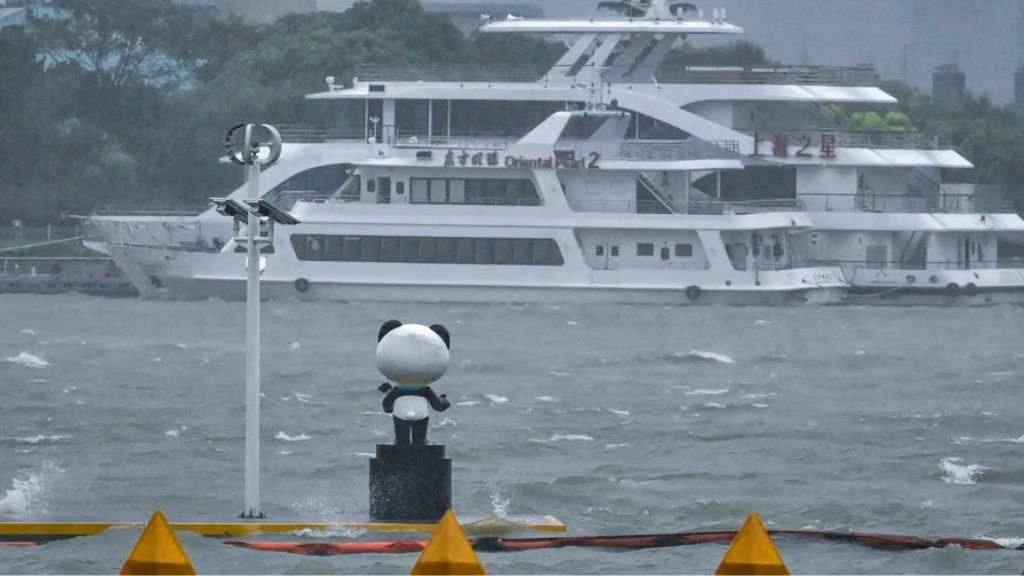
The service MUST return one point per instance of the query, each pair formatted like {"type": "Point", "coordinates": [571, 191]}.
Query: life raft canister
{"type": "Point", "coordinates": [693, 292]}
{"type": "Point", "coordinates": [302, 284]}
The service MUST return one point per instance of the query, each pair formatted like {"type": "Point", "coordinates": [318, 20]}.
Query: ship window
{"type": "Point", "coordinates": [389, 249]}
{"type": "Point", "coordinates": [419, 191]}
{"type": "Point", "coordinates": [384, 189]}
{"type": "Point", "coordinates": [684, 250]}
{"type": "Point", "coordinates": [438, 191]}
{"type": "Point", "coordinates": [408, 248]}
{"type": "Point", "coordinates": [371, 185]}
{"type": "Point", "coordinates": [615, 250]}
{"type": "Point", "coordinates": [457, 191]}
{"type": "Point", "coordinates": [400, 187]}
{"type": "Point", "coordinates": [502, 251]}
{"type": "Point", "coordinates": [446, 250]}
{"type": "Point", "coordinates": [484, 251]}
{"type": "Point", "coordinates": [428, 250]}
{"type": "Point", "coordinates": [352, 249]}
{"type": "Point", "coordinates": [464, 251]}
{"type": "Point", "coordinates": [664, 253]}
{"type": "Point", "coordinates": [321, 180]}
{"type": "Point", "coordinates": [599, 250]}
{"type": "Point", "coordinates": [645, 249]}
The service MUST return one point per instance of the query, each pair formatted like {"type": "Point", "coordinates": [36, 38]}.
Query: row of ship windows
{"type": "Point", "coordinates": [427, 250]}
{"type": "Point", "coordinates": [487, 191]}
{"type": "Point", "coordinates": [647, 249]}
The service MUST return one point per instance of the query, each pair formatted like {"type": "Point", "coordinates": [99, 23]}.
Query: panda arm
{"type": "Point", "coordinates": [439, 404]}
{"type": "Point", "coordinates": [389, 401]}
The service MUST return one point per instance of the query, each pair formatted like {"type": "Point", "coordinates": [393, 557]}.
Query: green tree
{"type": "Point", "coordinates": [121, 41]}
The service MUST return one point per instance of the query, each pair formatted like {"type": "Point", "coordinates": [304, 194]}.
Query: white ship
{"type": "Point", "coordinates": [612, 178]}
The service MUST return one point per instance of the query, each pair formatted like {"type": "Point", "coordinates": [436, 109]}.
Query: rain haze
{"type": "Point", "coordinates": [618, 286]}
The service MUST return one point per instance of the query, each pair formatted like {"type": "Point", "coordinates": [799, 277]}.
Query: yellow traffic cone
{"type": "Point", "coordinates": [448, 551]}
{"type": "Point", "coordinates": [158, 551]}
{"type": "Point", "coordinates": [752, 552]}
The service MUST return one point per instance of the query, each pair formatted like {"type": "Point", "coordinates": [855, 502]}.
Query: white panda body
{"type": "Point", "coordinates": [411, 408]}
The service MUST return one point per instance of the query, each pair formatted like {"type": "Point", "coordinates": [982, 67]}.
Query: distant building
{"type": "Point", "coordinates": [949, 84]}
{"type": "Point", "coordinates": [1018, 88]}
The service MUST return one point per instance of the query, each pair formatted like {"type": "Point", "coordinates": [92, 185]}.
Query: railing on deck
{"type": "Point", "coordinates": [144, 210]}
{"type": "Point", "coordinates": [677, 150]}
{"type": "Point", "coordinates": [892, 203]}
{"type": "Point", "coordinates": [745, 206]}
{"type": "Point", "coordinates": [879, 265]}
{"type": "Point", "coordinates": [769, 138]}
{"type": "Point", "coordinates": [794, 75]}
{"type": "Point", "coordinates": [312, 134]}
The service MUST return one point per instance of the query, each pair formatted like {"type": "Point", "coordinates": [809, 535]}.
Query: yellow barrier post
{"type": "Point", "coordinates": [158, 551]}
{"type": "Point", "coordinates": [752, 552]}
{"type": "Point", "coordinates": [448, 551]}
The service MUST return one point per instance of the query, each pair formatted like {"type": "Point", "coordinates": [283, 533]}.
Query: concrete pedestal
{"type": "Point", "coordinates": [410, 483]}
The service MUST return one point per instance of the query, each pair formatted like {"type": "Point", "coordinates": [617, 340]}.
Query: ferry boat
{"type": "Point", "coordinates": [611, 178]}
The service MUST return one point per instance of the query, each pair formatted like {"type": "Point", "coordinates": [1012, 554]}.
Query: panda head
{"type": "Point", "coordinates": [412, 355]}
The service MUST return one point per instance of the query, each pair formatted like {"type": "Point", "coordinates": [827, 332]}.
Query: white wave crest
{"type": "Point", "coordinates": [565, 438]}
{"type": "Point", "coordinates": [545, 399]}
{"type": "Point", "coordinates": [28, 493]}
{"type": "Point", "coordinates": [29, 332]}
{"type": "Point", "coordinates": [956, 473]}
{"type": "Point", "coordinates": [468, 403]}
{"type": "Point", "coordinates": [304, 398]}
{"type": "Point", "coordinates": [704, 392]}
{"type": "Point", "coordinates": [619, 412]}
{"type": "Point", "coordinates": [281, 435]}
{"type": "Point", "coordinates": [496, 399]}
{"type": "Point", "coordinates": [36, 439]}
{"type": "Point", "coordinates": [27, 360]}
{"type": "Point", "coordinates": [708, 357]}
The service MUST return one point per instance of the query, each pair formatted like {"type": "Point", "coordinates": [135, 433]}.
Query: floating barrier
{"type": "Point", "coordinates": [26, 533]}
{"type": "Point", "coordinates": [621, 542]}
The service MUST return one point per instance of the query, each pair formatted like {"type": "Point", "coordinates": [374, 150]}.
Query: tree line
{"type": "Point", "coordinates": [126, 101]}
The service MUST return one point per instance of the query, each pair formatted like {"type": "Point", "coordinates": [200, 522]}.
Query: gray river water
{"type": "Point", "coordinates": [615, 419]}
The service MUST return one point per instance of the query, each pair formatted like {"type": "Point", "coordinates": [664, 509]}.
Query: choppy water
{"type": "Point", "coordinates": [617, 419]}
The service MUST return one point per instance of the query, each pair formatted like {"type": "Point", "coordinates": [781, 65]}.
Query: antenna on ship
{"type": "Point", "coordinates": [253, 146]}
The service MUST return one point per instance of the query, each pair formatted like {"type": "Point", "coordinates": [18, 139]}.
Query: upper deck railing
{"type": "Point", "coordinates": [676, 150]}
{"type": "Point", "coordinates": [795, 75]}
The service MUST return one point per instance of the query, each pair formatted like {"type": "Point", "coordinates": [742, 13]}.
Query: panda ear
{"type": "Point", "coordinates": [443, 333]}
{"type": "Point", "coordinates": [387, 327]}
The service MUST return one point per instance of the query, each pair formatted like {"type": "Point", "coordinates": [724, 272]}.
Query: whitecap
{"type": "Point", "coordinates": [565, 438]}
{"type": "Point", "coordinates": [281, 435]}
{"type": "Point", "coordinates": [572, 323]}
{"type": "Point", "coordinates": [446, 422]}
{"type": "Point", "coordinates": [182, 346]}
{"type": "Point", "coordinates": [37, 439]}
{"type": "Point", "coordinates": [1006, 542]}
{"type": "Point", "coordinates": [702, 355]}
{"type": "Point", "coordinates": [468, 403]}
{"type": "Point", "coordinates": [619, 412]}
{"type": "Point", "coordinates": [715, 405]}
{"type": "Point", "coordinates": [705, 392]}
{"type": "Point", "coordinates": [29, 331]}
{"type": "Point", "coordinates": [294, 346]}
{"type": "Point", "coordinates": [283, 452]}
{"type": "Point", "coordinates": [364, 454]}
{"type": "Point", "coordinates": [304, 398]}
{"type": "Point", "coordinates": [560, 374]}
{"type": "Point", "coordinates": [496, 399]}
{"type": "Point", "coordinates": [28, 493]}
{"type": "Point", "coordinates": [28, 360]}
{"type": "Point", "coordinates": [171, 433]}
{"type": "Point", "coordinates": [956, 473]}
{"type": "Point", "coordinates": [761, 322]}
{"type": "Point", "coordinates": [614, 446]}
{"type": "Point", "coordinates": [545, 399]}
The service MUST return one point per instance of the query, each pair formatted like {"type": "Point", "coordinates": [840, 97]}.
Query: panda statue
{"type": "Point", "coordinates": [412, 356]}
